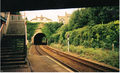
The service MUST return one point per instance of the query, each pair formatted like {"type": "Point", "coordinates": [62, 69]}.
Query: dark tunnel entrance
{"type": "Point", "coordinates": [40, 39]}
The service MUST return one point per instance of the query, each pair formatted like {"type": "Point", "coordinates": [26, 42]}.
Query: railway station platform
{"type": "Point", "coordinates": [40, 63]}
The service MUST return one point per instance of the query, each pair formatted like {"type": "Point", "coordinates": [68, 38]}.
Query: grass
{"type": "Point", "coordinates": [28, 46]}
{"type": "Point", "coordinates": [106, 56]}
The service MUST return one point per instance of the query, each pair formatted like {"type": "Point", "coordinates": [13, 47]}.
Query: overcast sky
{"type": "Point", "coordinates": [51, 14]}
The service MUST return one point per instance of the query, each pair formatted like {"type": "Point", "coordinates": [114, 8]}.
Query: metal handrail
{"type": "Point", "coordinates": [17, 17]}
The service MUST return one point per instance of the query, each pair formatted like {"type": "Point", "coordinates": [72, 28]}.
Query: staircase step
{"type": "Point", "coordinates": [13, 60]}
{"type": "Point", "coordinates": [13, 67]}
{"type": "Point", "coordinates": [6, 51]}
{"type": "Point", "coordinates": [12, 50]}
{"type": "Point", "coordinates": [14, 35]}
{"type": "Point", "coordinates": [12, 57]}
{"type": "Point", "coordinates": [17, 53]}
{"type": "Point", "coordinates": [13, 63]}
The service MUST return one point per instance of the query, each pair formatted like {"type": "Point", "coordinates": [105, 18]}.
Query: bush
{"type": "Point", "coordinates": [65, 43]}
{"type": "Point", "coordinates": [50, 28]}
{"type": "Point", "coordinates": [86, 43]}
{"type": "Point", "coordinates": [65, 48]}
{"type": "Point", "coordinates": [100, 36]}
{"type": "Point", "coordinates": [76, 41]}
{"type": "Point", "coordinates": [106, 56]}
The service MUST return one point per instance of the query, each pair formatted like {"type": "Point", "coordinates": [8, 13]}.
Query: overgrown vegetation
{"type": "Point", "coordinates": [105, 56]}
{"type": "Point", "coordinates": [98, 36]}
{"type": "Point", "coordinates": [28, 46]}
{"type": "Point", "coordinates": [31, 27]}
{"type": "Point", "coordinates": [50, 28]}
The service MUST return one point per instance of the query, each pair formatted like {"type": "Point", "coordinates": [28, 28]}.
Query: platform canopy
{"type": "Point", "coordinates": [22, 5]}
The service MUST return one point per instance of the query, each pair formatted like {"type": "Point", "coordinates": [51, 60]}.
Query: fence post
{"type": "Point", "coordinates": [68, 35]}
{"type": "Point", "coordinates": [112, 47]}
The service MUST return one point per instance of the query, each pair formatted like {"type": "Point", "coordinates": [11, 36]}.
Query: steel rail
{"type": "Point", "coordinates": [55, 59]}
{"type": "Point", "coordinates": [96, 66]}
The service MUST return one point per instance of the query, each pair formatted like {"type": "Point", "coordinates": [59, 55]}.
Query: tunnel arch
{"type": "Point", "coordinates": [38, 39]}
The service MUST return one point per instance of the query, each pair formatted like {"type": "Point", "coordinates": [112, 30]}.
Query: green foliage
{"type": "Point", "coordinates": [105, 56]}
{"type": "Point", "coordinates": [51, 28]}
{"type": "Point", "coordinates": [86, 43]}
{"type": "Point", "coordinates": [53, 38]}
{"type": "Point", "coordinates": [31, 27]}
{"type": "Point", "coordinates": [46, 31]}
{"type": "Point", "coordinates": [59, 35]}
{"type": "Point", "coordinates": [76, 41]}
{"type": "Point", "coordinates": [28, 46]}
{"type": "Point", "coordinates": [99, 36]}
{"type": "Point", "coordinates": [79, 18]}
{"type": "Point", "coordinates": [103, 14]}
{"type": "Point", "coordinates": [92, 16]}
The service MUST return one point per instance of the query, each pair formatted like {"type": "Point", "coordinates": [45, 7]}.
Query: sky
{"type": "Point", "coordinates": [51, 13]}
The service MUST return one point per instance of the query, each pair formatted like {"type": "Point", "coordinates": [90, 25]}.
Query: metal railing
{"type": "Point", "coordinates": [17, 17]}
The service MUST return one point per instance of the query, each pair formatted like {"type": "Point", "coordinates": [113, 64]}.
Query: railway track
{"type": "Point", "coordinates": [40, 51]}
{"type": "Point", "coordinates": [74, 63]}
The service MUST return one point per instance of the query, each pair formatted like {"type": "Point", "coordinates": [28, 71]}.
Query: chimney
{"type": "Point", "coordinates": [36, 16]}
{"type": "Point", "coordinates": [41, 15]}
{"type": "Point", "coordinates": [58, 15]}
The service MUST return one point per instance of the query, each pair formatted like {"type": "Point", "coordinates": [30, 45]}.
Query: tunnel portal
{"type": "Point", "coordinates": [38, 39]}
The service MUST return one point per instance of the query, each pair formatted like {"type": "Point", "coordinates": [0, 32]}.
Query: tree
{"type": "Point", "coordinates": [103, 14]}
{"type": "Point", "coordinates": [78, 19]}
{"type": "Point", "coordinates": [92, 16]}
{"type": "Point", "coordinates": [73, 22]}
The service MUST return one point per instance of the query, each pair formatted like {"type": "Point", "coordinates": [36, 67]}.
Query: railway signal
{"type": "Point", "coordinates": [68, 35]}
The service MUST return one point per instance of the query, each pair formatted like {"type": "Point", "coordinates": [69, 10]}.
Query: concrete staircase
{"type": "Point", "coordinates": [13, 46]}
{"type": "Point", "coordinates": [16, 27]}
